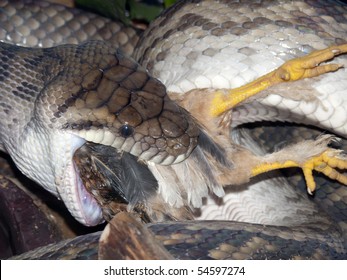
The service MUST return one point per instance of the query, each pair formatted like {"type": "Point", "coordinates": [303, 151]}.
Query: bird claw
{"type": "Point", "coordinates": [311, 155]}
{"type": "Point", "coordinates": [327, 163]}
{"type": "Point", "coordinates": [299, 68]}
{"type": "Point", "coordinates": [309, 66]}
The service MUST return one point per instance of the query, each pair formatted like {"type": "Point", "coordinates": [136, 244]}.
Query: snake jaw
{"type": "Point", "coordinates": [80, 203]}
{"type": "Point", "coordinates": [48, 160]}
{"type": "Point", "coordinates": [72, 191]}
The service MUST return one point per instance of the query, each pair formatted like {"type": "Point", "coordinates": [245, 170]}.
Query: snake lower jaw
{"type": "Point", "coordinates": [49, 163]}
{"type": "Point", "coordinates": [78, 201]}
{"type": "Point", "coordinates": [68, 184]}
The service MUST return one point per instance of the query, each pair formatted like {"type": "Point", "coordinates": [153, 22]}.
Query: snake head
{"type": "Point", "coordinates": [113, 101]}
{"type": "Point", "coordinates": [96, 94]}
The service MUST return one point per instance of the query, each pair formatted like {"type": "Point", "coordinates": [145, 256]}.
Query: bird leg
{"type": "Point", "coordinates": [313, 155]}
{"type": "Point", "coordinates": [308, 155]}
{"type": "Point", "coordinates": [296, 69]}
{"type": "Point", "coordinates": [212, 111]}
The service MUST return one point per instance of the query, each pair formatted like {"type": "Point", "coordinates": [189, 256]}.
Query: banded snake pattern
{"type": "Point", "coordinates": [177, 61]}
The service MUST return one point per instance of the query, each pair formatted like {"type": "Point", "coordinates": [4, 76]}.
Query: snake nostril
{"type": "Point", "coordinates": [126, 130]}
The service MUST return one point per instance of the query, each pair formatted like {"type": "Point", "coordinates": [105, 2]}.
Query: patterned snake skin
{"type": "Point", "coordinates": [194, 46]}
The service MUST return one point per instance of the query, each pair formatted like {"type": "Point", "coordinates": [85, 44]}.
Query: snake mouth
{"type": "Point", "coordinates": [90, 213]}
{"type": "Point", "coordinates": [82, 206]}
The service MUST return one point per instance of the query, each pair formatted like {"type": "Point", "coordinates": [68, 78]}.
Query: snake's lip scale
{"type": "Point", "coordinates": [169, 159]}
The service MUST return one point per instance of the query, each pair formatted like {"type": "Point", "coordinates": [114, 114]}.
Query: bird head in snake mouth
{"type": "Point", "coordinates": [90, 93]}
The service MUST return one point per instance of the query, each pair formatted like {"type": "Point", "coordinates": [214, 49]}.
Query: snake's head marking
{"type": "Point", "coordinates": [115, 102]}
{"type": "Point", "coordinates": [150, 127]}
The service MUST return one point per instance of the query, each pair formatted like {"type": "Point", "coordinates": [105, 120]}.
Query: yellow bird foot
{"type": "Point", "coordinates": [327, 161]}
{"type": "Point", "coordinates": [309, 65]}
{"type": "Point", "coordinates": [299, 68]}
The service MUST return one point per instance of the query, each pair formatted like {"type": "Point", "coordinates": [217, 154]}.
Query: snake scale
{"type": "Point", "coordinates": [194, 44]}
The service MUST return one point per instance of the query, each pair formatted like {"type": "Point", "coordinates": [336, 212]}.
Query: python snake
{"type": "Point", "coordinates": [197, 49]}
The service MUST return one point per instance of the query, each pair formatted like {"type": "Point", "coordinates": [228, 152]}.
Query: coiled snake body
{"type": "Point", "coordinates": [195, 44]}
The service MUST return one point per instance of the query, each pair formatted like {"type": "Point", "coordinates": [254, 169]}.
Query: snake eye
{"type": "Point", "coordinates": [126, 130]}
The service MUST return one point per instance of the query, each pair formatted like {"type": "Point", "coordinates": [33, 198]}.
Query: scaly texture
{"type": "Point", "coordinates": [208, 240]}
{"type": "Point", "coordinates": [67, 95]}
{"type": "Point", "coordinates": [223, 44]}
{"type": "Point", "coordinates": [43, 24]}
{"type": "Point", "coordinates": [226, 44]}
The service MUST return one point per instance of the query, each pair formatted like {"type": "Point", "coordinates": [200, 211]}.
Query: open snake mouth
{"type": "Point", "coordinates": [90, 212]}
{"type": "Point", "coordinates": [72, 191]}
{"type": "Point", "coordinates": [80, 177]}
